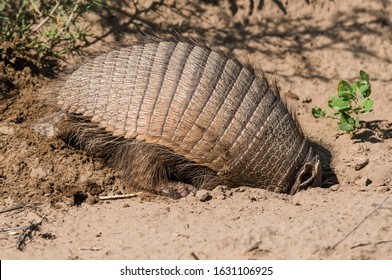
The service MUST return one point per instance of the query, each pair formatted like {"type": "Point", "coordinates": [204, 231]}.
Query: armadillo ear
{"type": "Point", "coordinates": [309, 175]}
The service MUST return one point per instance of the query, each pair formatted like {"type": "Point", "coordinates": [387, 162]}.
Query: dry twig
{"type": "Point", "coordinates": [46, 19]}
{"type": "Point", "coordinates": [11, 229]}
{"type": "Point", "coordinates": [382, 242]}
{"type": "Point", "coordinates": [120, 196]}
{"type": "Point", "coordinates": [91, 249]}
{"type": "Point", "coordinates": [194, 256]}
{"type": "Point", "coordinates": [32, 205]}
{"type": "Point", "coordinates": [12, 209]}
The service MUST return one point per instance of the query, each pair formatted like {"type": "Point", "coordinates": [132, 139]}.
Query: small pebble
{"type": "Point", "coordinates": [219, 192]}
{"type": "Point", "coordinates": [221, 197]}
{"type": "Point", "coordinates": [7, 130]}
{"type": "Point", "coordinates": [38, 173]}
{"type": "Point", "coordinates": [383, 189]}
{"type": "Point", "coordinates": [90, 199]}
{"type": "Point", "coordinates": [191, 198]}
{"type": "Point", "coordinates": [364, 181]}
{"type": "Point", "coordinates": [203, 195]}
{"type": "Point", "coordinates": [291, 95]}
{"type": "Point", "coordinates": [361, 164]}
{"type": "Point", "coordinates": [60, 205]}
{"type": "Point", "coordinates": [334, 188]}
{"type": "Point", "coordinates": [383, 125]}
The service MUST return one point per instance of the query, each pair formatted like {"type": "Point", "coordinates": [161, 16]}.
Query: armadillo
{"type": "Point", "coordinates": [177, 116]}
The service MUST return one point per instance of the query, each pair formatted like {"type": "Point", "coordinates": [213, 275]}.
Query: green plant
{"type": "Point", "coordinates": [38, 33]}
{"type": "Point", "coordinates": [350, 99]}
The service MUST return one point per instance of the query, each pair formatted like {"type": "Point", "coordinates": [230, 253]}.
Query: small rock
{"type": "Point", "coordinates": [7, 130]}
{"type": "Point", "coordinates": [47, 188]}
{"type": "Point", "coordinates": [190, 198]}
{"type": "Point", "coordinates": [220, 192]}
{"type": "Point", "coordinates": [68, 201]}
{"type": "Point", "coordinates": [48, 236]}
{"type": "Point", "coordinates": [90, 199]}
{"type": "Point", "coordinates": [363, 183]}
{"type": "Point", "coordinates": [361, 164]}
{"type": "Point", "coordinates": [15, 168]}
{"type": "Point", "coordinates": [383, 189]}
{"type": "Point", "coordinates": [334, 188]}
{"type": "Point", "coordinates": [221, 188]}
{"type": "Point", "coordinates": [291, 95]}
{"type": "Point", "coordinates": [60, 205]}
{"type": "Point", "coordinates": [240, 189]}
{"type": "Point", "coordinates": [203, 195]}
{"type": "Point", "coordinates": [92, 187]}
{"type": "Point", "coordinates": [85, 176]}
{"type": "Point", "coordinates": [38, 173]}
{"type": "Point", "coordinates": [383, 125]}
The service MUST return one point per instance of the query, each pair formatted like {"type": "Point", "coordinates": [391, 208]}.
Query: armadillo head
{"type": "Point", "coordinates": [309, 175]}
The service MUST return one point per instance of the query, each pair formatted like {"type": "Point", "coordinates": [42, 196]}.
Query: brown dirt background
{"type": "Point", "coordinates": [307, 46]}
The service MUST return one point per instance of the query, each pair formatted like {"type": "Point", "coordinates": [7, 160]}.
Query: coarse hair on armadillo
{"type": "Point", "coordinates": [168, 110]}
{"type": "Point", "coordinates": [150, 167]}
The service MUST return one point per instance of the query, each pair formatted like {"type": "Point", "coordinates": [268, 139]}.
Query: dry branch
{"type": "Point", "coordinates": [120, 196]}
{"type": "Point", "coordinates": [32, 205]}
{"type": "Point", "coordinates": [35, 29]}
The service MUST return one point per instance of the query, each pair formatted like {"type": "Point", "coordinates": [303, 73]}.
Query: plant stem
{"type": "Point", "coordinates": [35, 29]}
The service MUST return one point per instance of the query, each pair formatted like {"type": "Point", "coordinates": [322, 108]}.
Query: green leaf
{"type": "Point", "coordinates": [364, 76]}
{"type": "Point", "coordinates": [347, 95]}
{"type": "Point", "coordinates": [346, 127]}
{"type": "Point", "coordinates": [331, 99]}
{"type": "Point", "coordinates": [340, 103]}
{"type": "Point", "coordinates": [367, 105]}
{"type": "Point", "coordinates": [350, 121]}
{"type": "Point", "coordinates": [354, 87]}
{"type": "Point", "coordinates": [343, 117]}
{"type": "Point", "coordinates": [367, 92]}
{"type": "Point", "coordinates": [344, 87]}
{"type": "Point", "coordinates": [364, 88]}
{"type": "Point", "coordinates": [346, 118]}
{"type": "Point", "coordinates": [357, 122]}
{"type": "Point", "coordinates": [346, 122]}
{"type": "Point", "coordinates": [318, 112]}
{"type": "Point", "coordinates": [357, 110]}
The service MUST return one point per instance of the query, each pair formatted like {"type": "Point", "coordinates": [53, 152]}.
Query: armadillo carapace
{"type": "Point", "coordinates": [167, 112]}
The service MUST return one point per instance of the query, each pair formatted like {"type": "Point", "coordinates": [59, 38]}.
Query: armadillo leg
{"type": "Point", "coordinates": [175, 189]}
{"type": "Point", "coordinates": [155, 168]}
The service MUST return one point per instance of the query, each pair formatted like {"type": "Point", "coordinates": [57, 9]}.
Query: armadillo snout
{"type": "Point", "coordinates": [309, 175]}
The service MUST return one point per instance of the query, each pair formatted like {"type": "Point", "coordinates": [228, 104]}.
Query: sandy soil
{"type": "Point", "coordinates": [307, 46]}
